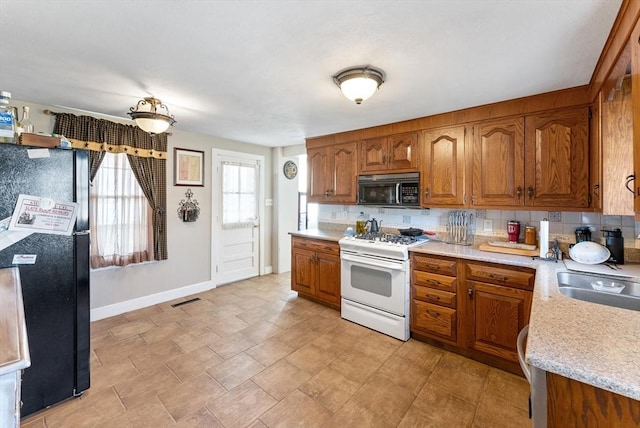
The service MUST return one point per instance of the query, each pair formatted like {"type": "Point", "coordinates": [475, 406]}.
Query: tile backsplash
{"type": "Point", "coordinates": [562, 225]}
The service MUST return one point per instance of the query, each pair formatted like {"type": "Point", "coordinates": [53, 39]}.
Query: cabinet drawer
{"type": "Point", "coordinates": [435, 265]}
{"type": "Point", "coordinates": [433, 319]}
{"type": "Point", "coordinates": [316, 245]}
{"type": "Point", "coordinates": [432, 295]}
{"type": "Point", "coordinates": [500, 276]}
{"type": "Point", "coordinates": [433, 280]}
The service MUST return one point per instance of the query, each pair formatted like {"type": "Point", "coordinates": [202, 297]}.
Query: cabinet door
{"type": "Point", "coordinates": [442, 174]}
{"type": "Point", "coordinates": [497, 314]}
{"type": "Point", "coordinates": [403, 152]}
{"type": "Point", "coordinates": [343, 176]}
{"type": "Point", "coordinates": [557, 154]}
{"type": "Point", "coordinates": [328, 278]}
{"type": "Point", "coordinates": [304, 271]}
{"type": "Point", "coordinates": [498, 163]}
{"type": "Point", "coordinates": [317, 174]}
{"type": "Point", "coordinates": [635, 94]}
{"type": "Point", "coordinates": [373, 155]}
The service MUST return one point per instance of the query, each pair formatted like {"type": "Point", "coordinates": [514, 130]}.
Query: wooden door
{"type": "Point", "coordinates": [497, 315]}
{"type": "Point", "coordinates": [557, 159]}
{"type": "Point", "coordinates": [304, 271]}
{"type": "Point", "coordinates": [317, 174]}
{"type": "Point", "coordinates": [328, 278]}
{"type": "Point", "coordinates": [403, 152]}
{"type": "Point", "coordinates": [374, 155]}
{"type": "Point", "coordinates": [498, 163]}
{"type": "Point", "coordinates": [343, 174]}
{"type": "Point", "coordinates": [442, 174]}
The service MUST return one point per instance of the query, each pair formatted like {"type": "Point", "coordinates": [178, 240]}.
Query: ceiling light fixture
{"type": "Point", "coordinates": [359, 83]}
{"type": "Point", "coordinates": [147, 117]}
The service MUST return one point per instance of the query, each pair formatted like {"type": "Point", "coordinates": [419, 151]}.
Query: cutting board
{"type": "Point", "coordinates": [508, 250]}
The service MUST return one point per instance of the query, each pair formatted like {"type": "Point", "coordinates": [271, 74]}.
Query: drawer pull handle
{"type": "Point", "coordinates": [433, 296]}
{"type": "Point", "coordinates": [433, 313]}
{"type": "Point", "coordinates": [433, 282]}
{"type": "Point", "coordinates": [498, 277]}
{"type": "Point", "coordinates": [433, 267]}
{"type": "Point", "coordinates": [470, 292]}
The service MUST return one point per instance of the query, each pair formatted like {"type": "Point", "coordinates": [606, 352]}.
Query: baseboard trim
{"type": "Point", "coordinates": [152, 299]}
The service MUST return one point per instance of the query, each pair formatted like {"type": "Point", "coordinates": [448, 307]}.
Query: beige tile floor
{"type": "Point", "coordinates": [254, 354]}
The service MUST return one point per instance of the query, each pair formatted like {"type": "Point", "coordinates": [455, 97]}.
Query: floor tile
{"type": "Point", "coordinates": [386, 399]}
{"type": "Point", "coordinates": [234, 371]}
{"type": "Point", "coordinates": [163, 333]}
{"type": "Point", "coordinates": [87, 411]}
{"type": "Point", "coordinates": [297, 410]}
{"type": "Point", "coordinates": [421, 354]}
{"type": "Point", "coordinates": [261, 330]}
{"type": "Point", "coordinates": [435, 407]}
{"type": "Point", "coordinates": [131, 329]}
{"type": "Point", "coordinates": [330, 388]}
{"type": "Point", "coordinates": [404, 373]}
{"type": "Point", "coordinates": [509, 387]}
{"type": "Point", "coordinates": [199, 419]}
{"type": "Point", "coordinates": [269, 351]}
{"type": "Point", "coordinates": [137, 390]}
{"type": "Point", "coordinates": [355, 366]}
{"type": "Point", "coordinates": [150, 414]}
{"type": "Point", "coordinates": [353, 414]}
{"type": "Point", "coordinates": [279, 379]}
{"type": "Point", "coordinates": [242, 405]}
{"type": "Point", "coordinates": [193, 363]}
{"type": "Point", "coordinates": [153, 357]}
{"type": "Point", "coordinates": [188, 397]}
{"type": "Point", "coordinates": [378, 346]}
{"type": "Point", "coordinates": [311, 358]}
{"type": "Point", "coordinates": [494, 412]}
{"type": "Point", "coordinates": [231, 345]}
{"type": "Point", "coordinates": [460, 376]}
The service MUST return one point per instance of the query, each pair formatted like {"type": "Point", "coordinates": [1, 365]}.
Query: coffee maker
{"type": "Point", "coordinates": [583, 233]}
{"type": "Point", "coordinates": [614, 241]}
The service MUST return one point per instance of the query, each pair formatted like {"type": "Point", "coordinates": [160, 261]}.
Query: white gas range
{"type": "Point", "coordinates": [375, 276]}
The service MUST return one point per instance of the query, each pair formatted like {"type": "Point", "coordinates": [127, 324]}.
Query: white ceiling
{"type": "Point", "coordinates": [260, 71]}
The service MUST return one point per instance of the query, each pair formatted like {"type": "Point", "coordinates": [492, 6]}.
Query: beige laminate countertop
{"type": "Point", "coordinates": [591, 343]}
{"type": "Point", "coordinates": [595, 344]}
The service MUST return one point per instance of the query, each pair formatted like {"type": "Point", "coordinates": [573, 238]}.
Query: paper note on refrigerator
{"type": "Point", "coordinates": [8, 237]}
{"type": "Point", "coordinates": [43, 215]}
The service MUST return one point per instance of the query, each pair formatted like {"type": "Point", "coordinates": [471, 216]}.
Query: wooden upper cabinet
{"type": "Point", "coordinates": [442, 172]}
{"type": "Point", "coordinates": [498, 163]}
{"type": "Point", "coordinates": [332, 174]}
{"type": "Point", "coordinates": [557, 159]}
{"type": "Point", "coordinates": [635, 93]}
{"type": "Point", "coordinates": [396, 153]}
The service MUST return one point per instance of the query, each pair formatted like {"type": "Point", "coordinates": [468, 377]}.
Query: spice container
{"type": "Point", "coordinates": [530, 235]}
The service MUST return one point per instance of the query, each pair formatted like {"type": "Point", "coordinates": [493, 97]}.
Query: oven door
{"type": "Point", "coordinates": [376, 282]}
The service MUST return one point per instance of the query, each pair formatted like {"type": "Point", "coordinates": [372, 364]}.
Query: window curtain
{"type": "Point", "coordinates": [238, 195]}
{"type": "Point", "coordinates": [147, 156]}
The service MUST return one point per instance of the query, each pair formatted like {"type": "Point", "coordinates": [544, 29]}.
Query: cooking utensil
{"type": "Point", "coordinates": [411, 231]}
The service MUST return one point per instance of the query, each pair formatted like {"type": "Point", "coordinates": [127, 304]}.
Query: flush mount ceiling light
{"type": "Point", "coordinates": [150, 116]}
{"type": "Point", "coordinates": [359, 83]}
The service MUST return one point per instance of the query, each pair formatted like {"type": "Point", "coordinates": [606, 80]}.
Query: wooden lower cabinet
{"type": "Point", "coordinates": [573, 404]}
{"type": "Point", "coordinates": [315, 270]}
{"type": "Point", "coordinates": [478, 308]}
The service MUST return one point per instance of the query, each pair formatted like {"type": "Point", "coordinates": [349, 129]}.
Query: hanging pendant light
{"type": "Point", "coordinates": [149, 115]}
{"type": "Point", "coordinates": [359, 83]}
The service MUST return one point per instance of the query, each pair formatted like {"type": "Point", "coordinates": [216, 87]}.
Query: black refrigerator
{"type": "Point", "coordinates": [55, 288]}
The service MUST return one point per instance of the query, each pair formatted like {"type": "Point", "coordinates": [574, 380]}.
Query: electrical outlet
{"type": "Point", "coordinates": [481, 213]}
{"type": "Point", "coordinates": [345, 214]}
{"type": "Point", "coordinates": [380, 210]}
{"type": "Point", "coordinates": [488, 225]}
{"type": "Point", "coordinates": [406, 219]}
{"type": "Point", "coordinates": [425, 211]}
{"type": "Point", "coordinates": [333, 215]}
{"type": "Point", "coordinates": [555, 216]}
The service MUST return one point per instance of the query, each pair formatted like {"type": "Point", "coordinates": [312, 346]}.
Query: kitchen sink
{"type": "Point", "coordinates": [605, 290]}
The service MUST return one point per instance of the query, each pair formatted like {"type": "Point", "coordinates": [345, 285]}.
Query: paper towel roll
{"type": "Point", "coordinates": [544, 238]}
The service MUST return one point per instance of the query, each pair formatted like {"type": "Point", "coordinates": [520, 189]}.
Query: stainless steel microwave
{"type": "Point", "coordinates": [389, 190]}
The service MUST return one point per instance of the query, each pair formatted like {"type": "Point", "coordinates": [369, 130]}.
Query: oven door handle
{"type": "Point", "coordinates": [372, 262]}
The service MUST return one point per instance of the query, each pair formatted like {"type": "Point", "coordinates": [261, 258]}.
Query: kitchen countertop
{"type": "Point", "coordinates": [591, 343]}
{"type": "Point", "coordinates": [595, 344]}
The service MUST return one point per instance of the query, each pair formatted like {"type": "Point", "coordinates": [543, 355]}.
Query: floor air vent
{"type": "Point", "coordinates": [186, 302]}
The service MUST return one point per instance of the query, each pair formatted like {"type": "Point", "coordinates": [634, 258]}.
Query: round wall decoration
{"type": "Point", "coordinates": [290, 169]}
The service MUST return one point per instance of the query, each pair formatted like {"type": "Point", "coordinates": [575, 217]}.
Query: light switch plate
{"type": "Point", "coordinates": [488, 225]}
{"type": "Point", "coordinates": [555, 216]}
{"type": "Point", "coordinates": [406, 219]}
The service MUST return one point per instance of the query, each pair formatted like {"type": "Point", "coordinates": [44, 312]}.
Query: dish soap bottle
{"type": "Point", "coordinates": [361, 224]}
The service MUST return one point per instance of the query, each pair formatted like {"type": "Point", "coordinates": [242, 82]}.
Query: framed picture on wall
{"type": "Point", "coordinates": [188, 167]}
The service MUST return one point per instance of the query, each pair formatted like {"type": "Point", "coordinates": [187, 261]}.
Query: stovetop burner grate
{"type": "Point", "coordinates": [386, 237]}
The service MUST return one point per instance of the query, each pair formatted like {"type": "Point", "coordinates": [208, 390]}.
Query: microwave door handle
{"type": "Point", "coordinates": [398, 193]}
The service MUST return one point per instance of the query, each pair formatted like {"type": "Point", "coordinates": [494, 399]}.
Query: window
{"type": "Point", "coordinates": [238, 195]}
{"type": "Point", "coordinates": [121, 230]}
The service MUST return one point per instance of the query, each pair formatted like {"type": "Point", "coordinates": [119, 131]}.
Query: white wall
{"type": "Point", "coordinates": [285, 206]}
{"type": "Point", "coordinates": [188, 268]}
